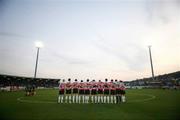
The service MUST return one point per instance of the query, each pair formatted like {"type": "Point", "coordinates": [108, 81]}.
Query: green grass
{"type": "Point", "coordinates": [140, 106]}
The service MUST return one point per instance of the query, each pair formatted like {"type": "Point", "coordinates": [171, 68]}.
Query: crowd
{"type": "Point", "coordinates": [17, 81]}
{"type": "Point", "coordinates": [91, 91]}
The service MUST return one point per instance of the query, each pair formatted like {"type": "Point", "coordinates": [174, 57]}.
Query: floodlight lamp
{"type": "Point", "coordinates": [39, 44]}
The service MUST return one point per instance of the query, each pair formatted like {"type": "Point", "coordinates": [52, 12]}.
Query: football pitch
{"type": "Point", "coordinates": [143, 104]}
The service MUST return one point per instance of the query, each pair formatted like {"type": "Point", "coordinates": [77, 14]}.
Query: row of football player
{"type": "Point", "coordinates": [106, 80]}
{"type": "Point", "coordinates": [113, 99]}
{"type": "Point", "coordinates": [93, 84]}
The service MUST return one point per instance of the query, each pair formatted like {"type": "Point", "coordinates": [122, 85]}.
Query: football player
{"type": "Point", "coordinates": [68, 91]}
{"type": "Point", "coordinates": [94, 92]}
{"type": "Point", "coordinates": [106, 91]}
{"type": "Point", "coordinates": [75, 92]}
{"type": "Point", "coordinates": [81, 92]}
{"type": "Point", "coordinates": [112, 93]}
{"type": "Point", "coordinates": [122, 87]}
{"type": "Point", "coordinates": [87, 91]}
{"type": "Point", "coordinates": [61, 91]}
{"type": "Point", "coordinates": [100, 92]}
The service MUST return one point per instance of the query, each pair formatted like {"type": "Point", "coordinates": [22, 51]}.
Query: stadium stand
{"type": "Point", "coordinates": [13, 83]}
{"type": "Point", "coordinates": [169, 81]}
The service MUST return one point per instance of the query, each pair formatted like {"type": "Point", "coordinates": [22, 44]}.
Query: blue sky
{"type": "Point", "coordinates": [93, 39]}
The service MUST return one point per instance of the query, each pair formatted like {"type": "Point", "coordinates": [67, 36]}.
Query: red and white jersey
{"type": "Point", "coordinates": [112, 86]}
{"type": "Point", "coordinates": [74, 85]}
{"type": "Point", "coordinates": [87, 85]}
{"type": "Point", "coordinates": [81, 85]}
{"type": "Point", "coordinates": [92, 85]}
{"type": "Point", "coordinates": [100, 84]}
{"type": "Point", "coordinates": [106, 85]}
{"type": "Point", "coordinates": [123, 87]}
{"type": "Point", "coordinates": [62, 86]}
{"type": "Point", "coordinates": [68, 85]}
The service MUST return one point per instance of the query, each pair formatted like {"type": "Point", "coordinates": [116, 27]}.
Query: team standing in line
{"type": "Point", "coordinates": [91, 92]}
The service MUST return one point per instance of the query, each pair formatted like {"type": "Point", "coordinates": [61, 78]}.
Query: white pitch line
{"type": "Point", "coordinates": [143, 100]}
{"type": "Point", "coordinates": [34, 101]}
{"type": "Point", "coordinates": [51, 102]}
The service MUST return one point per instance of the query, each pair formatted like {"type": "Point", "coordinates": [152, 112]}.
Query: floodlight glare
{"type": "Point", "coordinates": [39, 44]}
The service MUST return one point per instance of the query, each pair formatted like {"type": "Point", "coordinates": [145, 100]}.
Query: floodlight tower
{"type": "Point", "coordinates": [151, 62]}
{"type": "Point", "coordinates": [38, 45]}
